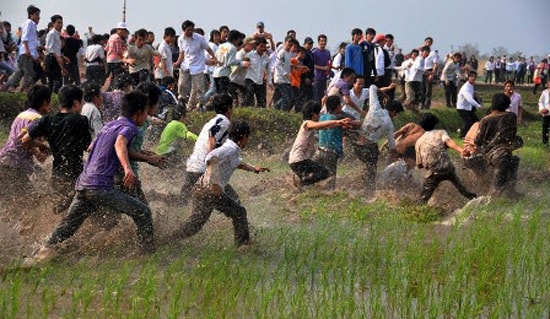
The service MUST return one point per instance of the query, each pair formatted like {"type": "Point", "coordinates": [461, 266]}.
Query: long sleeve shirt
{"type": "Point", "coordinates": [465, 100]}
{"type": "Point", "coordinates": [450, 72]}
{"type": "Point", "coordinates": [378, 122]}
{"type": "Point", "coordinates": [53, 42]}
{"type": "Point", "coordinates": [30, 36]}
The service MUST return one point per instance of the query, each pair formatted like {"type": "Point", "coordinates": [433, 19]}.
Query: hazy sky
{"type": "Point", "coordinates": [518, 25]}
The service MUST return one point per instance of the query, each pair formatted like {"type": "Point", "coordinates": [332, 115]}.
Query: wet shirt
{"type": "Point", "coordinates": [13, 154]}
{"type": "Point", "coordinates": [174, 131]}
{"type": "Point", "coordinates": [304, 145]}
{"type": "Point", "coordinates": [68, 136]}
{"type": "Point", "coordinates": [331, 139]}
{"type": "Point", "coordinates": [217, 128]}
{"type": "Point", "coordinates": [378, 122]}
{"type": "Point", "coordinates": [222, 162]}
{"type": "Point", "coordinates": [497, 134]}
{"type": "Point", "coordinates": [103, 162]}
{"type": "Point", "coordinates": [431, 151]}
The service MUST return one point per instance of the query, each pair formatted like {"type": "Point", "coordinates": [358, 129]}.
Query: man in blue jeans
{"type": "Point", "coordinates": [94, 187]}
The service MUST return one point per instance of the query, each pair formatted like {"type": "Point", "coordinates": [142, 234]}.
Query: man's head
{"type": "Point", "coordinates": [33, 13]}
{"type": "Point", "coordinates": [394, 107]}
{"type": "Point", "coordinates": [472, 75]}
{"type": "Point", "coordinates": [356, 35]}
{"type": "Point", "coordinates": [38, 98]}
{"type": "Point", "coordinates": [322, 41]}
{"type": "Point", "coordinates": [169, 35]}
{"type": "Point", "coordinates": [428, 41]}
{"type": "Point", "coordinates": [311, 110]}
{"type": "Point", "coordinates": [188, 27]}
{"type": "Point", "coordinates": [122, 30]}
{"type": "Point", "coordinates": [308, 43]}
{"type": "Point", "coordinates": [359, 82]}
{"type": "Point", "coordinates": [500, 102]}
{"type": "Point", "coordinates": [222, 104]}
{"type": "Point", "coordinates": [92, 93]}
{"type": "Point", "coordinates": [70, 30]}
{"type": "Point", "coordinates": [333, 104]}
{"type": "Point", "coordinates": [425, 51]}
{"type": "Point", "coordinates": [428, 121]}
{"type": "Point", "coordinates": [238, 132]}
{"type": "Point", "coordinates": [140, 36]}
{"type": "Point", "coordinates": [260, 26]}
{"type": "Point", "coordinates": [348, 75]}
{"type": "Point", "coordinates": [370, 33]}
{"type": "Point", "coordinates": [153, 94]}
{"type": "Point", "coordinates": [70, 98]}
{"type": "Point", "coordinates": [57, 22]}
{"type": "Point", "coordinates": [261, 45]}
{"type": "Point", "coordinates": [134, 107]}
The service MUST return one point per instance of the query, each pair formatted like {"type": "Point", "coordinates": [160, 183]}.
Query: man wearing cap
{"type": "Point", "coordinates": [260, 33]}
{"type": "Point", "coordinates": [192, 63]}
{"type": "Point", "coordinates": [114, 51]}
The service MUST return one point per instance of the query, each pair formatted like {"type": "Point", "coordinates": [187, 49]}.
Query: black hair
{"type": "Point", "coordinates": [169, 32]}
{"type": "Point", "coordinates": [133, 102]}
{"type": "Point", "coordinates": [346, 72]}
{"type": "Point", "coordinates": [291, 31]}
{"type": "Point", "coordinates": [167, 80]}
{"type": "Point", "coordinates": [370, 31]}
{"type": "Point", "coordinates": [6, 24]}
{"type": "Point", "coordinates": [122, 81]}
{"type": "Point", "coordinates": [223, 27]}
{"type": "Point", "coordinates": [310, 108]}
{"type": "Point", "coordinates": [70, 29]}
{"type": "Point", "coordinates": [356, 31]}
{"type": "Point", "coordinates": [358, 76]}
{"type": "Point", "coordinates": [301, 49]}
{"type": "Point", "coordinates": [237, 130]}
{"type": "Point", "coordinates": [187, 24]}
{"type": "Point", "coordinates": [37, 95]}
{"type": "Point", "coordinates": [509, 82]}
{"type": "Point", "coordinates": [321, 36]}
{"type": "Point", "coordinates": [221, 103]}
{"type": "Point", "coordinates": [68, 94]}
{"type": "Point", "coordinates": [55, 17]}
{"type": "Point", "coordinates": [261, 40]}
{"type": "Point", "coordinates": [213, 33]}
{"type": "Point", "coordinates": [332, 103]}
{"type": "Point", "coordinates": [428, 121]}
{"type": "Point", "coordinates": [425, 49]}
{"type": "Point", "coordinates": [429, 38]}
{"type": "Point", "coordinates": [96, 38]}
{"type": "Point", "coordinates": [500, 102]}
{"type": "Point", "coordinates": [389, 36]}
{"type": "Point", "coordinates": [32, 10]}
{"type": "Point", "coordinates": [472, 73]}
{"type": "Point", "coordinates": [199, 31]}
{"type": "Point", "coordinates": [152, 91]}
{"type": "Point", "coordinates": [91, 90]}
{"type": "Point", "coordinates": [234, 35]}
{"type": "Point", "coordinates": [394, 106]}
{"type": "Point", "coordinates": [414, 51]}
{"type": "Point", "coordinates": [141, 33]}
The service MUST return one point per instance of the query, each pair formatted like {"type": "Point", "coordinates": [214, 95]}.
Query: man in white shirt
{"type": "Point", "coordinates": [55, 61]}
{"type": "Point", "coordinates": [257, 74]}
{"type": "Point", "coordinates": [165, 66]}
{"type": "Point", "coordinates": [28, 51]}
{"type": "Point", "coordinates": [466, 104]}
{"type": "Point", "coordinates": [449, 76]}
{"type": "Point", "coordinates": [281, 76]}
{"type": "Point", "coordinates": [227, 57]}
{"type": "Point", "coordinates": [430, 68]}
{"type": "Point", "coordinates": [192, 63]}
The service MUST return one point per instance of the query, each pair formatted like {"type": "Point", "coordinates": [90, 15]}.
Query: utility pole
{"type": "Point", "coordinates": [124, 12]}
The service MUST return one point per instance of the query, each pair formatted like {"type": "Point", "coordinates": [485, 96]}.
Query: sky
{"type": "Point", "coordinates": [517, 25]}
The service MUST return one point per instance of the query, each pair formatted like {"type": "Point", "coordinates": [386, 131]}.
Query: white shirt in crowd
{"type": "Point", "coordinates": [465, 100]}
{"type": "Point", "coordinates": [259, 67]}
{"type": "Point", "coordinates": [217, 128]}
{"type": "Point", "coordinates": [53, 42]}
{"type": "Point", "coordinates": [29, 35]}
{"type": "Point", "coordinates": [544, 101]}
{"type": "Point", "coordinates": [165, 52]}
{"type": "Point", "coordinates": [193, 48]}
{"type": "Point", "coordinates": [281, 74]}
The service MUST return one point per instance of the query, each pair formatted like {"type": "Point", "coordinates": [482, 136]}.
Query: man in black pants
{"type": "Point", "coordinates": [466, 104]}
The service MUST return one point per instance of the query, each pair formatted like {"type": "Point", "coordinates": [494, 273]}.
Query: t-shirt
{"type": "Point", "coordinates": [137, 144]}
{"type": "Point", "coordinates": [13, 154]}
{"type": "Point", "coordinates": [103, 161]}
{"type": "Point", "coordinates": [95, 120]}
{"type": "Point", "coordinates": [172, 132]}
{"type": "Point", "coordinates": [304, 145]}
{"type": "Point", "coordinates": [431, 152]}
{"type": "Point", "coordinates": [497, 134]}
{"type": "Point", "coordinates": [516, 102]}
{"type": "Point", "coordinates": [143, 57]}
{"type": "Point", "coordinates": [71, 48]}
{"type": "Point", "coordinates": [331, 138]}
{"type": "Point", "coordinates": [68, 136]}
{"type": "Point", "coordinates": [217, 128]}
{"type": "Point", "coordinates": [321, 57]}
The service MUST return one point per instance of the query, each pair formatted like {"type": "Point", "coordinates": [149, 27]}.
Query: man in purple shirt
{"type": "Point", "coordinates": [94, 187]}
{"type": "Point", "coordinates": [321, 58]}
{"type": "Point", "coordinates": [16, 160]}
